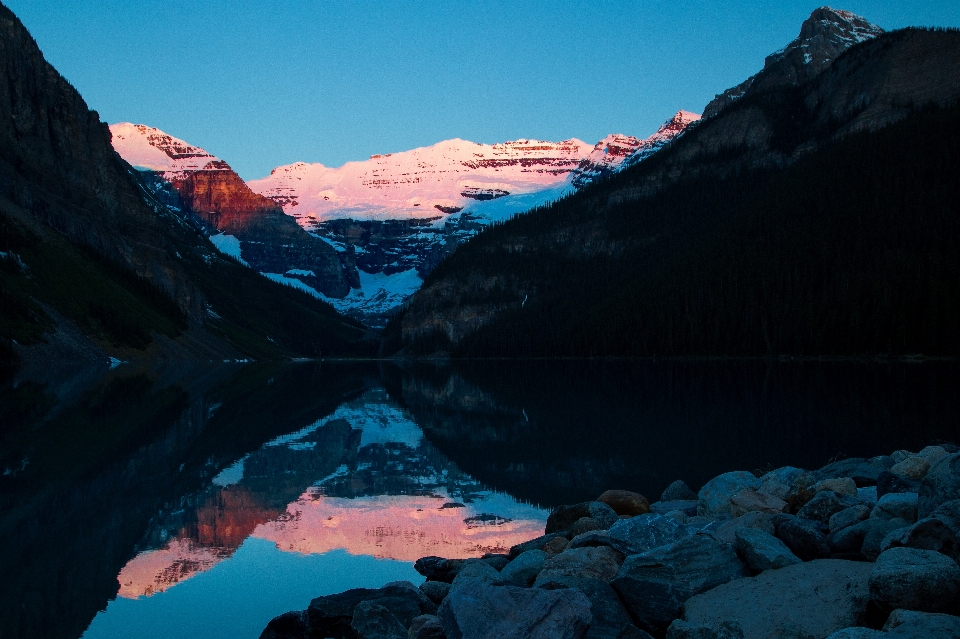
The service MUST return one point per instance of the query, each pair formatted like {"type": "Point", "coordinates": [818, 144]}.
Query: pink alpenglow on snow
{"type": "Point", "coordinates": [145, 147]}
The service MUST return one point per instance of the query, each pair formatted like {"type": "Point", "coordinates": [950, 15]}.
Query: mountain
{"type": "Point", "coordinates": [92, 264]}
{"type": "Point", "coordinates": [809, 216]}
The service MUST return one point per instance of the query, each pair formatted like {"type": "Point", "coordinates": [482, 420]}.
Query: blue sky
{"type": "Point", "coordinates": [262, 84]}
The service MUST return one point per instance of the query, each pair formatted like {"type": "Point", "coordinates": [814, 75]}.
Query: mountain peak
{"type": "Point", "coordinates": [147, 147]}
{"type": "Point", "coordinates": [823, 37]}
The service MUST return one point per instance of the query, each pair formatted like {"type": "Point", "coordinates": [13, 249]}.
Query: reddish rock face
{"type": "Point", "coordinates": [223, 199]}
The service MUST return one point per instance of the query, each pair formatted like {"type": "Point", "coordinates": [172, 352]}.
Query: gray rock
{"type": "Point", "coordinates": [727, 531]}
{"type": "Point", "coordinates": [804, 538]}
{"type": "Point", "coordinates": [687, 507]}
{"type": "Point", "coordinates": [849, 540]}
{"type": "Point", "coordinates": [438, 568]}
{"type": "Point", "coordinates": [749, 500]}
{"type": "Point", "coordinates": [681, 629]}
{"type": "Point", "coordinates": [632, 632]}
{"type": "Point", "coordinates": [897, 506]}
{"type": "Point", "coordinates": [927, 534]}
{"type": "Point", "coordinates": [915, 467]}
{"type": "Point", "coordinates": [625, 502]}
{"type": "Point", "coordinates": [435, 591]}
{"type": "Point", "coordinates": [508, 612]}
{"type": "Point", "coordinates": [563, 517]}
{"type": "Point", "coordinates": [533, 544]}
{"type": "Point", "coordinates": [940, 485]}
{"type": "Point", "coordinates": [762, 551]}
{"type": "Point", "coordinates": [899, 455]}
{"type": "Point", "coordinates": [883, 461]}
{"type": "Point", "coordinates": [583, 525]}
{"type": "Point", "coordinates": [912, 579]}
{"type": "Point", "coordinates": [862, 471]}
{"type": "Point", "coordinates": [331, 615]}
{"type": "Point", "coordinates": [639, 534]}
{"type": "Point", "coordinates": [678, 491]}
{"type": "Point", "coordinates": [889, 482]}
{"type": "Point", "coordinates": [770, 486]}
{"type": "Point", "coordinates": [373, 621]}
{"type": "Point", "coordinates": [933, 454]}
{"type": "Point", "coordinates": [604, 515]}
{"type": "Point", "coordinates": [849, 517]}
{"type": "Point", "coordinates": [523, 570]}
{"type": "Point", "coordinates": [425, 627]}
{"type": "Point", "coordinates": [825, 505]}
{"type": "Point", "coordinates": [496, 561]}
{"type": "Point", "coordinates": [601, 562]}
{"type": "Point", "coordinates": [289, 625]}
{"type": "Point", "coordinates": [867, 494]}
{"type": "Point", "coordinates": [878, 530]}
{"type": "Point", "coordinates": [655, 584]}
{"type": "Point", "coordinates": [786, 475]}
{"type": "Point", "coordinates": [812, 599]}
{"type": "Point", "coordinates": [679, 515]}
{"type": "Point", "coordinates": [857, 632]}
{"type": "Point", "coordinates": [909, 624]}
{"type": "Point", "coordinates": [839, 485]}
{"type": "Point", "coordinates": [714, 498]}
{"type": "Point", "coordinates": [476, 572]}
{"type": "Point", "coordinates": [610, 618]}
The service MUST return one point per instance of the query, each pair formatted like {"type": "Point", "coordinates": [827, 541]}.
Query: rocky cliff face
{"type": "Point", "coordinates": [206, 186]}
{"type": "Point", "coordinates": [824, 36]}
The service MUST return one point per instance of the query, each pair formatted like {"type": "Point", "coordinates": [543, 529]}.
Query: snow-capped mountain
{"type": "Point", "coordinates": [390, 219]}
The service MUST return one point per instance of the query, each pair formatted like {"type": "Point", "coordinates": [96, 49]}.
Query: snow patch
{"type": "Point", "coordinates": [228, 245]}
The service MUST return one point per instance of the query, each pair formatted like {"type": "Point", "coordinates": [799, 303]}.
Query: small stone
{"type": "Point", "coordinates": [625, 502]}
{"type": "Point", "coordinates": [888, 482]}
{"type": "Point", "coordinates": [803, 538]}
{"type": "Point", "coordinates": [373, 621]}
{"type": "Point", "coordinates": [897, 505]}
{"type": "Point", "coordinates": [600, 562]}
{"type": "Point", "coordinates": [912, 467]}
{"type": "Point", "coordinates": [727, 531]}
{"type": "Point", "coordinates": [912, 579]}
{"type": "Point", "coordinates": [523, 570]}
{"type": "Point", "coordinates": [678, 491]}
{"type": "Point", "coordinates": [714, 498]}
{"type": "Point", "coordinates": [824, 505]}
{"type": "Point", "coordinates": [849, 517]}
{"type": "Point", "coordinates": [435, 591]}
{"type": "Point", "coordinates": [839, 485]}
{"type": "Point", "coordinates": [749, 500]}
{"type": "Point", "coordinates": [762, 551]}
{"type": "Point", "coordinates": [533, 544]}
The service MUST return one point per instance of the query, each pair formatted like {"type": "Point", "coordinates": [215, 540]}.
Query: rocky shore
{"type": "Point", "coordinates": [859, 549]}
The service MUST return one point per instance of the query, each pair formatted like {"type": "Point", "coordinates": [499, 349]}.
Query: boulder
{"type": "Point", "coordinates": [714, 498]}
{"type": "Point", "coordinates": [639, 534]}
{"type": "Point", "coordinates": [563, 517]}
{"type": "Point", "coordinates": [804, 538]}
{"type": "Point", "coordinates": [727, 531]}
{"type": "Point", "coordinates": [438, 568]}
{"type": "Point", "coordinates": [496, 560]}
{"type": "Point", "coordinates": [533, 544]}
{"type": "Point", "coordinates": [849, 517]}
{"type": "Point", "coordinates": [864, 472]}
{"type": "Point", "coordinates": [867, 494]}
{"type": "Point", "coordinates": [584, 524]}
{"type": "Point", "coordinates": [555, 546]}
{"type": "Point", "coordinates": [933, 454]}
{"type": "Point", "coordinates": [940, 485]}
{"type": "Point", "coordinates": [899, 455]}
{"type": "Point", "coordinates": [425, 627]}
{"type": "Point", "coordinates": [610, 618]}
{"type": "Point", "coordinates": [877, 531]}
{"type": "Point", "coordinates": [655, 584]}
{"type": "Point", "coordinates": [839, 485]}
{"type": "Point", "coordinates": [373, 621]}
{"type": "Point", "coordinates": [678, 491]}
{"type": "Point", "coordinates": [824, 505]}
{"type": "Point", "coordinates": [687, 507]}
{"type": "Point", "coordinates": [600, 562]}
{"type": "Point", "coordinates": [625, 502]}
{"type": "Point", "coordinates": [475, 572]}
{"type": "Point", "coordinates": [632, 632]}
{"type": "Point", "coordinates": [483, 611]}
{"type": "Point", "coordinates": [523, 570]}
{"type": "Point", "coordinates": [289, 625]}
{"type": "Point", "coordinates": [927, 534]}
{"type": "Point", "coordinates": [749, 500]}
{"type": "Point", "coordinates": [888, 482]}
{"type": "Point", "coordinates": [883, 461]}
{"type": "Point", "coordinates": [770, 486]}
{"type": "Point", "coordinates": [912, 579]}
{"type": "Point", "coordinates": [681, 629]}
{"type": "Point", "coordinates": [786, 475]}
{"type": "Point", "coordinates": [896, 506]}
{"type": "Point", "coordinates": [435, 591]}
{"type": "Point", "coordinates": [909, 624]}
{"type": "Point", "coordinates": [811, 599]}
{"type": "Point", "coordinates": [331, 615]}
{"type": "Point", "coordinates": [849, 540]}
{"type": "Point", "coordinates": [912, 467]}
{"type": "Point", "coordinates": [762, 551]}
{"type": "Point", "coordinates": [603, 514]}
{"type": "Point", "coordinates": [679, 515]}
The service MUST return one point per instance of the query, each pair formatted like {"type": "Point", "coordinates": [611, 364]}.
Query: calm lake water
{"type": "Point", "coordinates": [198, 500]}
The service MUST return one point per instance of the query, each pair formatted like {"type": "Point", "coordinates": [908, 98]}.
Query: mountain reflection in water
{"type": "Point", "coordinates": [192, 499]}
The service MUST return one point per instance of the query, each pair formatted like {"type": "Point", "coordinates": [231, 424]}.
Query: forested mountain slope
{"type": "Point", "coordinates": [809, 219]}
{"type": "Point", "coordinates": [91, 266]}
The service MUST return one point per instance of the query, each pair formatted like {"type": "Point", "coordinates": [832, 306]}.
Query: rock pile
{"type": "Point", "coordinates": [861, 548]}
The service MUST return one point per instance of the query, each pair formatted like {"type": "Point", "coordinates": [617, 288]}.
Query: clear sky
{"type": "Point", "coordinates": [264, 83]}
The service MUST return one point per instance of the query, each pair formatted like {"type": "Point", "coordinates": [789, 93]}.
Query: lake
{"type": "Point", "coordinates": [203, 500]}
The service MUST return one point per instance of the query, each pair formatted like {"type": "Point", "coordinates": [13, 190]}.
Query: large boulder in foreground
{"type": "Point", "coordinates": [655, 584]}
{"type": "Point", "coordinates": [813, 599]}
{"type": "Point", "coordinates": [610, 618]}
{"type": "Point", "coordinates": [912, 579]}
{"type": "Point", "coordinates": [482, 611]}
